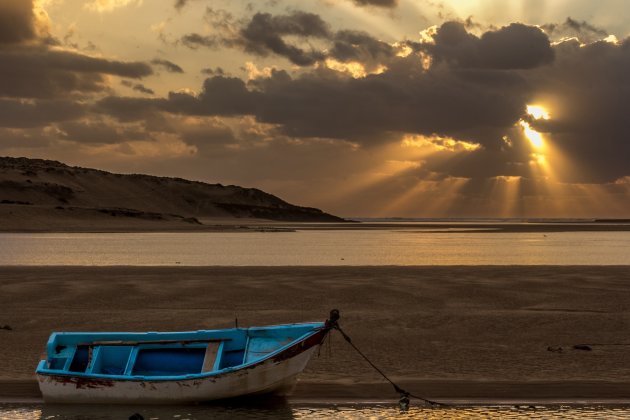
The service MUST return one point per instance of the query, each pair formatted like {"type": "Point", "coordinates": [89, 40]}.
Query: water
{"type": "Point", "coordinates": [32, 412]}
{"type": "Point", "coordinates": [315, 247]}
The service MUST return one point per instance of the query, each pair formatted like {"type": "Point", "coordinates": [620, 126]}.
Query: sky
{"type": "Point", "coordinates": [363, 108]}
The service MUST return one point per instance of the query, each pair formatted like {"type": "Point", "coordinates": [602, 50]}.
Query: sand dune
{"type": "Point", "coordinates": [40, 194]}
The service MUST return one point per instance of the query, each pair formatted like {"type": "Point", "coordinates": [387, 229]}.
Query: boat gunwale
{"type": "Point", "coordinates": [318, 327]}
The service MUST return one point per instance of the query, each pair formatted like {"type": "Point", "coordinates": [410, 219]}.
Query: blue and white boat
{"type": "Point", "coordinates": [176, 367]}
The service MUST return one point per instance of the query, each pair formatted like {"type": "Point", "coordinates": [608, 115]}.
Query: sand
{"type": "Point", "coordinates": [443, 332]}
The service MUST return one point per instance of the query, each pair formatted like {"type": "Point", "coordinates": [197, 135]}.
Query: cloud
{"type": "Point", "coordinates": [167, 65]}
{"type": "Point", "coordinates": [139, 87]}
{"type": "Point", "coordinates": [516, 46]}
{"type": "Point", "coordinates": [397, 101]}
{"type": "Point", "coordinates": [143, 89]}
{"type": "Point", "coordinates": [224, 26]}
{"type": "Point", "coordinates": [109, 5]}
{"type": "Point", "coordinates": [180, 3]}
{"type": "Point", "coordinates": [218, 71]}
{"type": "Point", "coordinates": [377, 3]}
{"type": "Point", "coordinates": [16, 113]}
{"type": "Point", "coordinates": [329, 105]}
{"type": "Point", "coordinates": [357, 46]}
{"type": "Point", "coordinates": [265, 34]}
{"type": "Point", "coordinates": [584, 31]}
{"type": "Point", "coordinates": [194, 41]}
{"type": "Point", "coordinates": [18, 22]}
{"type": "Point", "coordinates": [129, 109]}
{"type": "Point", "coordinates": [40, 72]}
{"type": "Point", "coordinates": [209, 136]}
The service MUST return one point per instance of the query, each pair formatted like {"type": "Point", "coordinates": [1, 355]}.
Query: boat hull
{"type": "Point", "coordinates": [275, 376]}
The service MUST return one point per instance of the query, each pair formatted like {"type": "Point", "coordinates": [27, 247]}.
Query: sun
{"type": "Point", "coordinates": [534, 137]}
{"type": "Point", "coordinates": [537, 112]}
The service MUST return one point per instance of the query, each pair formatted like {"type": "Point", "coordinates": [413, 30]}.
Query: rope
{"type": "Point", "coordinates": [404, 395]}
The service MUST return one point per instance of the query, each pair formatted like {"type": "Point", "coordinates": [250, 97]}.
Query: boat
{"type": "Point", "coordinates": [177, 367]}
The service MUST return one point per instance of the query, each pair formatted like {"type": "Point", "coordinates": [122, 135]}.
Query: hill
{"type": "Point", "coordinates": [38, 195]}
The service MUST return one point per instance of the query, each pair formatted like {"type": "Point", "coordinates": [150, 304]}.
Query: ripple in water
{"type": "Point", "coordinates": [75, 412]}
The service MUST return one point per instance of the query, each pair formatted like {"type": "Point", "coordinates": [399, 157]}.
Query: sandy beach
{"type": "Point", "coordinates": [443, 332]}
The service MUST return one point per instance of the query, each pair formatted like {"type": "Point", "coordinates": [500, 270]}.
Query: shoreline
{"type": "Point", "coordinates": [463, 393]}
{"type": "Point", "coordinates": [465, 333]}
{"type": "Point", "coordinates": [271, 226]}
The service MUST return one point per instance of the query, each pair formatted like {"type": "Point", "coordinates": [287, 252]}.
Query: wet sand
{"type": "Point", "coordinates": [444, 332]}
{"type": "Point", "coordinates": [38, 219]}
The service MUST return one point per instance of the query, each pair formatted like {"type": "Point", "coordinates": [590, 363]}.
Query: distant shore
{"type": "Point", "coordinates": [443, 332]}
{"type": "Point", "coordinates": [90, 222]}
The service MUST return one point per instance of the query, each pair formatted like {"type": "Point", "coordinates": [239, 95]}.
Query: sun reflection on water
{"type": "Point", "coordinates": [287, 411]}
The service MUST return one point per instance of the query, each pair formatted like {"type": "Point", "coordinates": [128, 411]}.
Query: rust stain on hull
{"type": "Point", "coordinates": [81, 383]}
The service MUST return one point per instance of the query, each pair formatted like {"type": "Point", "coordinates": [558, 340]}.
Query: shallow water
{"type": "Point", "coordinates": [50, 412]}
{"type": "Point", "coordinates": [361, 247]}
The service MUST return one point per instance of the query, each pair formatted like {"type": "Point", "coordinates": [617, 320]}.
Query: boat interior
{"type": "Point", "coordinates": [166, 355]}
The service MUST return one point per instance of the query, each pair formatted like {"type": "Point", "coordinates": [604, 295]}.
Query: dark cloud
{"type": "Point", "coordinates": [263, 35]}
{"type": "Point", "coordinates": [378, 3]}
{"type": "Point", "coordinates": [583, 30]}
{"type": "Point", "coordinates": [226, 96]}
{"type": "Point", "coordinates": [218, 71]}
{"type": "Point", "coordinates": [38, 72]}
{"type": "Point", "coordinates": [21, 114]}
{"type": "Point", "coordinates": [179, 4]}
{"type": "Point", "coordinates": [139, 87]}
{"type": "Point", "coordinates": [326, 104]}
{"type": "Point", "coordinates": [194, 41]}
{"type": "Point", "coordinates": [297, 23]}
{"type": "Point", "coordinates": [17, 80]}
{"type": "Point", "coordinates": [17, 21]}
{"type": "Point", "coordinates": [143, 89]}
{"type": "Point", "coordinates": [516, 46]}
{"type": "Point", "coordinates": [209, 137]}
{"type": "Point", "coordinates": [360, 47]}
{"type": "Point", "coordinates": [221, 96]}
{"type": "Point", "coordinates": [397, 101]}
{"type": "Point", "coordinates": [64, 60]}
{"type": "Point", "coordinates": [129, 109]}
{"type": "Point", "coordinates": [167, 65]}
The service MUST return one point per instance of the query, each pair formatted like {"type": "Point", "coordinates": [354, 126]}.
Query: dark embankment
{"type": "Point", "coordinates": [40, 195]}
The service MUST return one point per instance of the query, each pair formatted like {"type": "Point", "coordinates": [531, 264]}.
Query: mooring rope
{"type": "Point", "coordinates": [404, 395]}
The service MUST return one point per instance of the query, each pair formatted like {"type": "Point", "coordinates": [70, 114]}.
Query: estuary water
{"type": "Point", "coordinates": [372, 412]}
{"type": "Point", "coordinates": [317, 247]}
